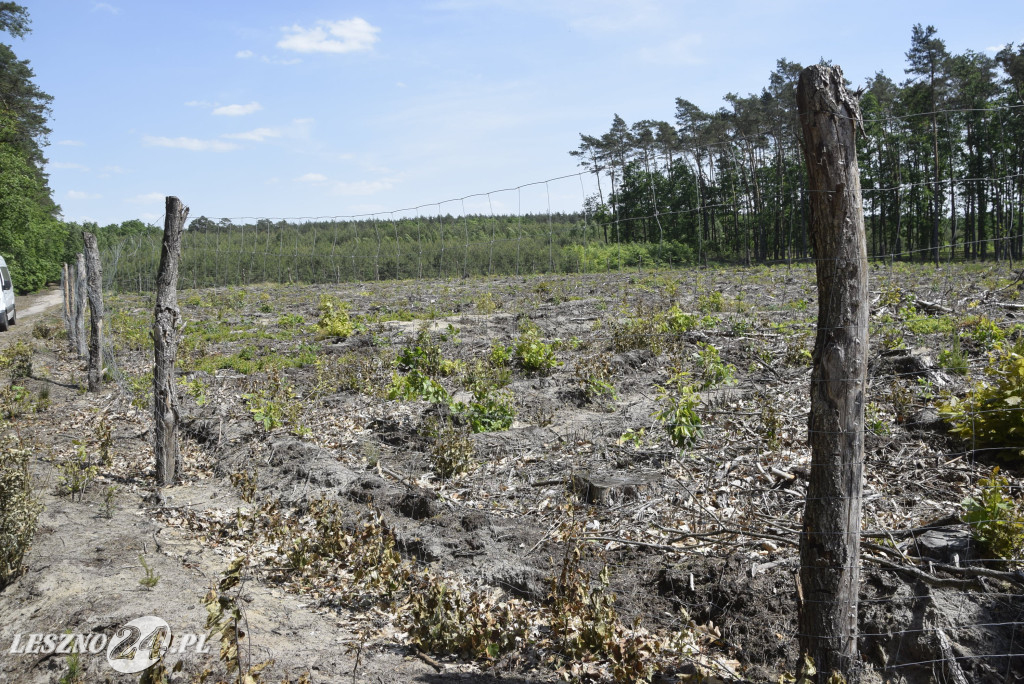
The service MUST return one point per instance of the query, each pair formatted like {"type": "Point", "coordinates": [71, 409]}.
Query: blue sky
{"type": "Point", "coordinates": [315, 108]}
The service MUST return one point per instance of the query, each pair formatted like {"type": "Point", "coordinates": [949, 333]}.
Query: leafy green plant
{"type": "Point", "coordinates": [982, 331]}
{"type": "Point", "coordinates": [486, 303]}
{"type": "Point", "coordinates": [500, 355]}
{"type": "Point", "coordinates": [416, 385]}
{"type": "Point", "coordinates": [334, 320]}
{"type": "Point", "coordinates": [678, 415]}
{"type": "Point", "coordinates": [195, 388]}
{"type": "Point", "coordinates": [713, 371]}
{"type": "Point", "coordinates": [534, 355]}
{"type": "Point", "coordinates": [291, 321]}
{"type": "Point", "coordinates": [488, 411]}
{"type": "Point", "coordinates": [275, 403]}
{"type": "Point", "coordinates": [141, 389]}
{"type": "Point", "coordinates": [484, 376]}
{"type": "Point", "coordinates": [17, 358]}
{"type": "Point", "coordinates": [425, 355]}
{"type": "Point", "coordinates": [991, 415]}
{"type": "Point", "coordinates": [19, 511]}
{"type": "Point", "coordinates": [996, 519]}
{"type": "Point", "coordinates": [711, 302]}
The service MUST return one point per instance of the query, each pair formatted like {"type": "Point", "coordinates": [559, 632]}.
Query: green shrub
{"type": "Point", "coordinates": [334, 320]}
{"type": "Point", "coordinates": [19, 511]}
{"type": "Point", "coordinates": [711, 302]}
{"type": "Point", "coordinates": [594, 378]}
{"type": "Point", "coordinates": [534, 355]}
{"type": "Point", "coordinates": [713, 371]}
{"type": "Point", "coordinates": [996, 520]}
{"type": "Point", "coordinates": [991, 415]}
{"type": "Point", "coordinates": [678, 415]}
{"type": "Point", "coordinates": [275, 403]}
{"type": "Point", "coordinates": [18, 359]}
{"type": "Point", "coordinates": [488, 412]}
{"type": "Point", "coordinates": [416, 385]}
{"type": "Point", "coordinates": [425, 355]}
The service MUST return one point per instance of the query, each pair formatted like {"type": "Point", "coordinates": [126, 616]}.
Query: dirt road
{"type": "Point", "coordinates": [37, 303]}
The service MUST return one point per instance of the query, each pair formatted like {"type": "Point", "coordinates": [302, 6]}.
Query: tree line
{"type": "Point", "coordinates": [32, 238]}
{"type": "Point", "coordinates": [941, 159]}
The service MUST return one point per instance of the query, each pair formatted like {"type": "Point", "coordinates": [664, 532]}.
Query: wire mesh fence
{"type": "Point", "coordinates": [677, 383]}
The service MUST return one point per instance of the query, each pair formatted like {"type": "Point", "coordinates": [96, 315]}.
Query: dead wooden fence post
{"type": "Point", "coordinates": [830, 539]}
{"type": "Point", "coordinates": [165, 345]}
{"type": "Point", "coordinates": [94, 277]}
{"type": "Point", "coordinates": [65, 288]}
{"type": "Point", "coordinates": [78, 292]}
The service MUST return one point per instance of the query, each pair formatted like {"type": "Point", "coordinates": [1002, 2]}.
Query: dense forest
{"type": "Point", "coordinates": [941, 160]}
{"type": "Point", "coordinates": [32, 238]}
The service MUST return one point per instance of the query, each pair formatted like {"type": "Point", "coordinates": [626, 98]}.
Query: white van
{"type": "Point", "coordinates": [7, 311]}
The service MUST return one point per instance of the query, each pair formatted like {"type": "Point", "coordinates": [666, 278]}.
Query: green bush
{"type": "Point", "coordinates": [334, 320]}
{"type": "Point", "coordinates": [534, 355]}
{"type": "Point", "coordinates": [488, 412]}
{"type": "Point", "coordinates": [996, 521]}
{"type": "Point", "coordinates": [679, 415]}
{"type": "Point", "coordinates": [19, 511]}
{"type": "Point", "coordinates": [991, 415]}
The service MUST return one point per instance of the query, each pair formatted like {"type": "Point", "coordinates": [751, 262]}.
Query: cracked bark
{"type": "Point", "coordinates": [830, 539]}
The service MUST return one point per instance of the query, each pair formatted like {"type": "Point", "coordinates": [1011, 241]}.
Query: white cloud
{"type": "Point", "coordinates": [193, 144]}
{"type": "Point", "coordinates": [148, 198]}
{"type": "Point", "coordinates": [79, 195]}
{"type": "Point", "coordinates": [311, 178]}
{"type": "Point", "coordinates": [238, 109]}
{"type": "Point", "coordinates": [255, 135]}
{"type": "Point", "coordinates": [362, 187]}
{"type": "Point", "coordinates": [347, 35]}
{"type": "Point", "coordinates": [994, 49]}
{"type": "Point", "coordinates": [68, 165]}
{"type": "Point", "coordinates": [283, 62]}
{"type": "Point", "coordinates": [105, 7]}
{"type": "Point", "coordinates": [243, 54]}
{"type": "Point", "coordinates": [71, 143]}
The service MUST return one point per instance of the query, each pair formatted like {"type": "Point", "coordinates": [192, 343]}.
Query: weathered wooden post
{"type": "Point", "coordinates": [830, 539]}
{"type": "Point", "coordinates": [65, 288]}
{"type": "Point", "coordinates": [94, 278]}
{"type": "Point", "coordinates": [165, 345]}
{"type": "Point", "coordinates": [78, 291]}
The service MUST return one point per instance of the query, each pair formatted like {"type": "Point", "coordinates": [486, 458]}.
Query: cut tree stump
{"type": "Point", "coordinates": [611, 490]}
